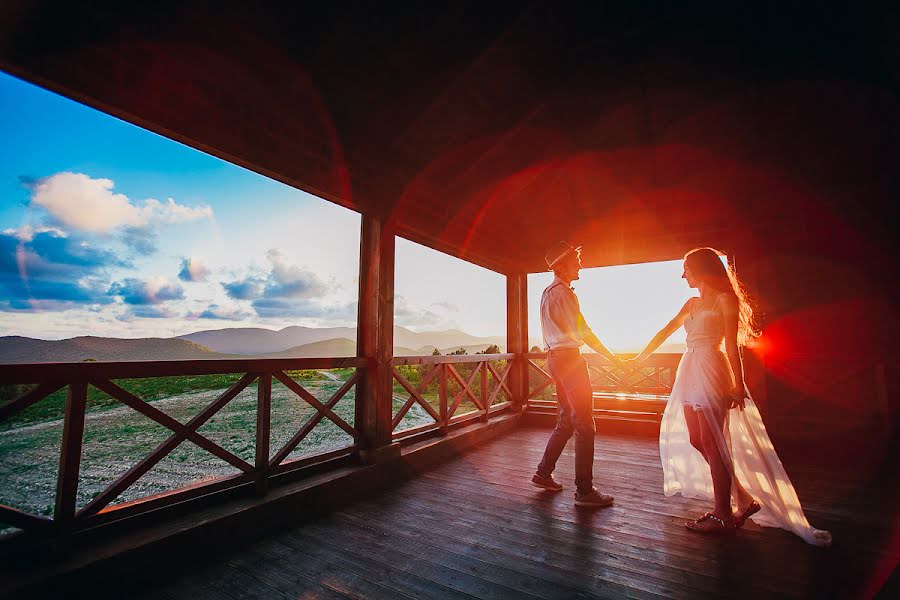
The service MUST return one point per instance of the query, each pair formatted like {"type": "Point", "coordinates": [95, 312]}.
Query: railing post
{"type": "Point", "coordinates": [69, 466]}
{"type": "Point", "coordinates": [517, 334]}
{"type": "Point", "coordinates": [484, 390]}
{"type": "Point", "coordinates": [375, 340]}
{"type": "Point", "coordinates": [442, 395]}
{"type": "Point", "coordinates": [263, 427]}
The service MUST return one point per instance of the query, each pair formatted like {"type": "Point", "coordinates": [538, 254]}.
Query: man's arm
{"type": "Point", "coordinates": [598, 347]}
{"type": "Point", "coordinates": [591, 339]}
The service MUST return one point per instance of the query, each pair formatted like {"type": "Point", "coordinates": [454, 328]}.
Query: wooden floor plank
{"type": "Point", "coordinates": [473, 527]}
{"type": "Point", "coordinates": [296, 574]}
{"type": "Point", "coordinates": [441, 568]}
{"type": "Point", "coordinates": [381, 571]}
{"type": "Point", "coordinates": [536, 541]}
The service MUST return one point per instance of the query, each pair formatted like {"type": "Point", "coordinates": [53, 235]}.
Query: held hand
{"type": "Point", "coordinates": [738, 397]}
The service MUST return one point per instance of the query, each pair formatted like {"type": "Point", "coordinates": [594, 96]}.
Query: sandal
{"type": "Point", "coordinates": [751, 509]}
{"type": "Point", "coordinates": [710, 523]}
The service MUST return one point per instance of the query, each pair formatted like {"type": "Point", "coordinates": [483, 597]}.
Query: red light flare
{"type": "Point", "coordinates": [586, 196]}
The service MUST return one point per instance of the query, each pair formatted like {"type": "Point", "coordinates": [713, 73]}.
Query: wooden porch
{"type": "Point", "coordinates": [473, 527]}
{"type": "Point", "coordinates": [633, 131]}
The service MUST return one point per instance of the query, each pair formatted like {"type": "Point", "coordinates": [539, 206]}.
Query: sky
{"type": "Point", "coordinates": [624, 305]}
{"type": "Point", "coordinates": [108, 229]}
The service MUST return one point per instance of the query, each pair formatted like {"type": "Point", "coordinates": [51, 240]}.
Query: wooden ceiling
{"type": "Point", "coordinates": [491, 130]}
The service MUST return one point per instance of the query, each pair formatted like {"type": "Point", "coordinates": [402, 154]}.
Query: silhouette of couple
{"type": "Point", "coordinates": [707, 450]}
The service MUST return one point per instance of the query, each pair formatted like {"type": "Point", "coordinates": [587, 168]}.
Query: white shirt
{"type": "Point", "coordinates": [562, 324]}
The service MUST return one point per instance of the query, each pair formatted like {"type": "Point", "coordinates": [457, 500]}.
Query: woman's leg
{"type": "Point", "coordinates": [696, 436]}
{"type": "Point", "coordinates": [721, 474]}
{"type": "Point", "coordinates": [694, 419]}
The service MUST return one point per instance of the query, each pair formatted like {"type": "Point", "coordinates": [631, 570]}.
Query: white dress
{"type": "Point", "coordinates": [704, 381]}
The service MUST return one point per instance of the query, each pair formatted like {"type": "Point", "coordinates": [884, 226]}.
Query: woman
{"type": "Point", "coordinates": [705, 450]}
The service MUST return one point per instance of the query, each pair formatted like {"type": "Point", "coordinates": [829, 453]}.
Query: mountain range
{"type": "Point", "coordinates": [242, 342]}
{"type": "Point", "coordinates": [291, 342]}
{"type": "Point", "coordinates": [256, 340]}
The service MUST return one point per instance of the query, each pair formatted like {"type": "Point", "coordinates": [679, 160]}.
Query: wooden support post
{"type": "Point", "coordinates": [263, 425]}
{"type": "Point", "coordinates": [375, 339]}
{"type": "Point", "coordinates": [442, 395]}
{"type": "Point", "coordinates": [484, 390]}
{"type": "Point", "coordinates": [69, 466]}
{"type": "Point", "coordinates": [517, 334]}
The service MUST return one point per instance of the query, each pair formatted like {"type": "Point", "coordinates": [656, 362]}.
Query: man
{"type": "Point", "coordinates": [564, 332]}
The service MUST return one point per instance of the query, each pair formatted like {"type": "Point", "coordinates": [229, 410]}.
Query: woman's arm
{"type": "Point", "coordinates": [730, 307]}
{"type": "Point", "coordinates": [666, 331]}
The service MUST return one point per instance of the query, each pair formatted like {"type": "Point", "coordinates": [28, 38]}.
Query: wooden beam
{"type": "Point", "coordinates": [153, 413]}
{"type": "Point", "coordinates": [517, 334]}
{"type": "Point", "coordinates": [448, 360]}
{"type": "Point", "coordinates": [384, 352]}
{"type": "Point", "coordinates": [375, 332]}
{"type": "Point", "coordinates": [19, 404]}
{"type": "Point", "coordinates": [367, 330]}
{"type": "Point", "coordinates": [263, 423]}
{"type": "Point", "coordinates": [69, 465]}
{"type": "Point", "coordinates": [162, 450]}
{"type": "Point", "coordinates": [85, 372]}
{"type": "Point", "coordinates": [23, 520]}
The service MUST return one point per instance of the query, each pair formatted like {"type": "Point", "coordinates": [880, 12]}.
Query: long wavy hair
{"type": "Point", "coordinates": [707, 267]}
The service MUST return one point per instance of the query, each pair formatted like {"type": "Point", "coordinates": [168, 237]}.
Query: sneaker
{"type": "Point", "coordinates": [593, 498]}
{"type": "Point", "coordinates": [546, 483]}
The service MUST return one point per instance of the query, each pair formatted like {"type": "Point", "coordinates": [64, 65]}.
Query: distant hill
{"type": "Point", "coordinates": [16, 349]}
{"type": "Point", "coordinates": [330, 348]}
{"type": "Point", "coordinates": [255, 340]}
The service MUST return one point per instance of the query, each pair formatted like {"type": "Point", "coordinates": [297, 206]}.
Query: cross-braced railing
{"type": "Point", "coordinates": [448, 390]}
{"type": "Point", "coordinates": [639, 388]}
{"type": "Point", "coordinates": [78, 377]}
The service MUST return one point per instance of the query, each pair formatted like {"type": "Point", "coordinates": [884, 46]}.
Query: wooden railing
{"type": "Point", "coordinates": [468, 389]}
{"type": "Point", "coordinates": [635, 389]}
{"type": "Point", "coordinates": [77, 377]}
{"type": "Point", "coordinates": [446, 384]}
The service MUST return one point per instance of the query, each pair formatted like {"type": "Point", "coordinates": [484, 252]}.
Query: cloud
{"type": "Point", "coordinates": [286, 290]}
{"type": "Point", "coordinates": [141, 240]}
{"type": "Point", "coordinates": [407, 315]}
{"type": "Point", "coordinates": [43, 269]}
{"type": "Point", "coordinates": [302, 308]}
{"type": "Point", "coordinates": [214, 311]}
{"type": "Point", "coordinates": [26, 233]}
{"type": "Point", "coordinates": [83, 203]}
{"type": "Point", "coordinates": [155, 290]}
{"type": "Point", "coordinates": [446, 306]}
{"type": "Point", "coordinates": [147, 312]}
{"type": "Point", "coordinates": [193, 270]}
{"type": "Point", "coordinates": [289, 281]}
{"type": "Point", "coordinates": [245, 289]}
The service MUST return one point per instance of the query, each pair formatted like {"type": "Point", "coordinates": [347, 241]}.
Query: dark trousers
{"type": "Point", "coordinates": [574, 415]}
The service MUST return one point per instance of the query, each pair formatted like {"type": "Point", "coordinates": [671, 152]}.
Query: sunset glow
{"type": "Point", "coordinates": [625, 305]}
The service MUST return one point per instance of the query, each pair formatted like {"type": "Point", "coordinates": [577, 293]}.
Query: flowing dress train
{"type": "Point", "coordinates": [703, 382]}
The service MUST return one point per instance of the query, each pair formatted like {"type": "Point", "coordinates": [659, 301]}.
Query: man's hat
{"type": "Point", "coordinates": [558, 251]}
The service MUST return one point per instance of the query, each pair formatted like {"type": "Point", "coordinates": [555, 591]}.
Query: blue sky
{"type": "Point", "coordinates": [108, 229]}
